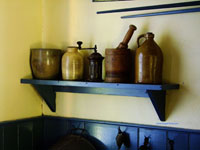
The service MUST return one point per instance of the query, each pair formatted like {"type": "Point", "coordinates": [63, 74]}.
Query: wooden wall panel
{"type": "Point", "coordinates": [42, 132]}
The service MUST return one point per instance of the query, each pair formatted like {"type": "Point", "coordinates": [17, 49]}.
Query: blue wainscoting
{"type": "Point", "coordinates": [26, 134]}
{"type": "Point", "coordinates": [106, 132]}
{"type": "Point", "coordinates": [42, 132]}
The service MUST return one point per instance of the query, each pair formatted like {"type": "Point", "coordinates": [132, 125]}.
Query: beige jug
{"type": "Point", "coordinates": [72, 64]}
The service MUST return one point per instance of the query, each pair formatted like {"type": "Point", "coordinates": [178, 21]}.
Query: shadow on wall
{"type": "Point", "coordinates": [171, 70]}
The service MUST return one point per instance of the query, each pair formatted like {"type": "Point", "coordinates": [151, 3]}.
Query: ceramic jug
{"type": "Point", "coordinates": [72, 64]}
{"type": "Point", "coordinates": [148, 61]}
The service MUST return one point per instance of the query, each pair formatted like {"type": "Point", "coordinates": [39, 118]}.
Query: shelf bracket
{"type": "Point", "coordinates": [48, 94]}
{"type": "Point", "coordinates": [158, 100]}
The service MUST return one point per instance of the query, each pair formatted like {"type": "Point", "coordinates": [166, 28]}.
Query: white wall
{"type": "Point", "coordinates": [67, 21]}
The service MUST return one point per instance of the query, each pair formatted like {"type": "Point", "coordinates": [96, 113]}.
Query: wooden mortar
{"type": "Point", "coordinates": [117, 60]}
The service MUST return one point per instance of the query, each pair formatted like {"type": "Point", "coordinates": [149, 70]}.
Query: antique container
{"type": "Point", "coordinates": [117, 61]}
{"type": "Point", "coordinates": [45, 63]}
{"type": "Point", "coordinates": [95, 67]}
{"type": "Point", "coordinates": [148, 61]}
{"type": "Point", "coordinates": [72, 64]}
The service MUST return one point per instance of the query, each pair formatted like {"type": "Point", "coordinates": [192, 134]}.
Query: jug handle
{"type": "Point", "coordinates": [138, 39]}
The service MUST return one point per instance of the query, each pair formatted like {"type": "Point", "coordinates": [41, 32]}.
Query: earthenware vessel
{"type": "Point", "coordinates": [148, 61]}
{"type": "Point", "coordinates": [45, 63]}
{"type": "Point", "coordinates": [72, 64]}
{"type": "Point", "coordinates": [117, 60]}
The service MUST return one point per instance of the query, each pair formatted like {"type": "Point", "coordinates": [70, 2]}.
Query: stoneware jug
{"type": "Point", "coordinates": [148, 61]}
{"type": "Point", "coordinates": [72, 64]}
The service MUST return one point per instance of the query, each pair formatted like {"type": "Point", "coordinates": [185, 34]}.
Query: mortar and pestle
{"type": "Point", "coordinates": [117, 60]}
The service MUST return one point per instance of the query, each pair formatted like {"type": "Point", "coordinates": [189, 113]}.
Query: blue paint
{"type": "Point", "coordinates": [194, 141]}
{"type": "Point", "coordinates": [105, 133]}
{"type": "Point", "coordinates": [190, 10]}
{"type": "Point", "coordinates": [41, 132]}
{"type": "Point", "coordinates": [162, 6]}
{"type": "Point", "coordinates": [10, 137]}
{"type": "Point", "coordinates": [158, 100]}
{"type": "Point", "coordinates": [180, 140]}
{"type": "Point", "coordinates": [157, 138]}
{"type": "Point", "coordinates": [1, 138]}
{"type": "Point", "coordinates": [25, 135]}
{"type": "Point", "coordinates": [84, 84]}
{"type": "Point", "coordinates": [48, 94]}
{"type": "Point", "coordinates": [48, 88]}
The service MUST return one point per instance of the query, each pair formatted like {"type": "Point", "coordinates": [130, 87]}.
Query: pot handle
{"type": "Point", "coordinates": [138, 39]}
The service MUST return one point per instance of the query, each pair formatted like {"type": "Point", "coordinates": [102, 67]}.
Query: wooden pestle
{"type": "Point", "coordinates": [124, 43]}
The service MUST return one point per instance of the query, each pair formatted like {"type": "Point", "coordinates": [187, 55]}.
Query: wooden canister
{"type": "Point", "coordinates": [117, 63]}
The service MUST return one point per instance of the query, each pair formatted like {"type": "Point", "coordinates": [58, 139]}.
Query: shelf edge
{"type": "Point", "coordinates": [101, 84]}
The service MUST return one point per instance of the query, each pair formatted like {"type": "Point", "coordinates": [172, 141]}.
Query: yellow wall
{"type": "Point", "coordinates": [67, 21]}
{"type": "Point", "coordinates": [20, 29]}
{"type": "Point", "coordinates": [25, 24]}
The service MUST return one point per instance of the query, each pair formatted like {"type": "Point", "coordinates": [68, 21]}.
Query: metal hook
{"type": "Point", "coordinates": [122, 138]}
{"type": "Point", "coordinates": [146, 145]}
{"type": "Point", "coordinates": [171, 144]}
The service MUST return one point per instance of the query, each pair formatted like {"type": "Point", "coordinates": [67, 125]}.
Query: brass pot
{"type": "Point", "coordinates": [45, 63]}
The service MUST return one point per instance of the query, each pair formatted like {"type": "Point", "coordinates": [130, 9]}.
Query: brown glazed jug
{"type": "Point", "coordinates": [148, 61]}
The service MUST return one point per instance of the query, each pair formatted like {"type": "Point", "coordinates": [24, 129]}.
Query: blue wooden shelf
{"type": "Point", "coordinates": [157, 93]}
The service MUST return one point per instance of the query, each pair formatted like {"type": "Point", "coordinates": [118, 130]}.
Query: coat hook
{"type": "Point", "coordinates": [171, 144]}
{"type": "Point", "coordinates": [146, 145]}
{"type": "Point", "coordinates": [122, 138]}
